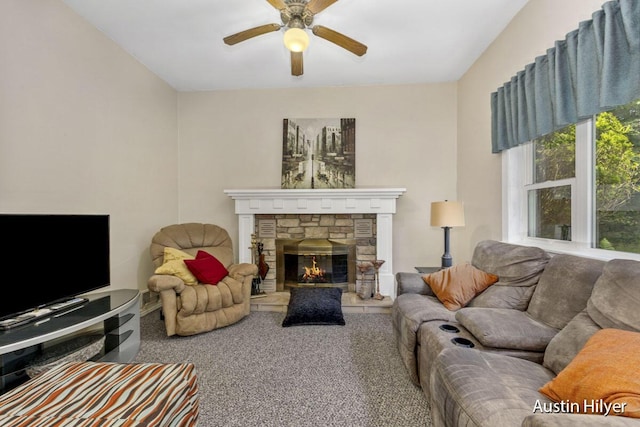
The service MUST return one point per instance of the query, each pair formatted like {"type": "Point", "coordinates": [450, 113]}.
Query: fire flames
{"type": "Point", "coordinates": [313, 273]}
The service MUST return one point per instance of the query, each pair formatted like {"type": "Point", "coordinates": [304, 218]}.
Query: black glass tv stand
{"type": "Point", "coordinates": [42, 314]}
{"type": "Point", "coordinates": [113, 314]}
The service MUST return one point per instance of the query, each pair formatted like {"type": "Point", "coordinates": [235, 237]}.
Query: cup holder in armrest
{"type": "Point", "coordinates": [449, 328]}
{"type": "Point", "coordinates": [462, 342]}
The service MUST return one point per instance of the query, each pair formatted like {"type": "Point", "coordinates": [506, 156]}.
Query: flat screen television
{"type": "Point", "coordinates": [51, 258]}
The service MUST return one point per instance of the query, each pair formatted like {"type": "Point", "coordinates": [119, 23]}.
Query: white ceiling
{"type": "Point", "coordinates": [409, 41]}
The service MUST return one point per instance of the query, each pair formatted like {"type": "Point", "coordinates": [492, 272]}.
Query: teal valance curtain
{"type": "Point", "coordinates": [595, 68]}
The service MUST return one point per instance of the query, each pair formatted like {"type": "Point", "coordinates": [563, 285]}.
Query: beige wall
{"type": "Point", "coordinates": [405, 137]}
{"type": "Point", "coordinates": [535, 29]}
{"type": "Point", "coordinates": [84, 128]}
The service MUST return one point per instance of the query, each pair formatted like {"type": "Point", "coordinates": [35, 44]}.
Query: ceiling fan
{"type": "Point", "coordinates": [296, 16]}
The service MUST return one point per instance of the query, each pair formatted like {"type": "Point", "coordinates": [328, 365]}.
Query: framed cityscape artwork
{"type": "Point", "coordinates": [318, 153]}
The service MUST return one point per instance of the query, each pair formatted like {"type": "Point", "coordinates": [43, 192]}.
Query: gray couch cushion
{"type": "Point", "coordinates": [506, 328]}
{"type": "Point", "coordinates": [408, 312]}
{"type": "Point", "coordinates": [433, 340]}
{"type": "Point", "coordinates": [615, 300]}
{"type": "Point", "coordinates": [564, 289]}
{"type": "Point", "coordinates": [504, 296]}
{"type": "Point", "coordinates": [515, 265]}
{"type": "Point", "coordinates": [478, 388]}
{"type": "Point", "coordinates": [569, 341]}
{"type": "Point", "coordinates": [518, 268]}
{"type": "Point", "coordinates": [412, 283]}
{"type": "Point", "coordinates": [613, 303]}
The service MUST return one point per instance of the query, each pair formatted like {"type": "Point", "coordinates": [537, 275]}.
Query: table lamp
{"type": "Point", "coordinates": [446, 215]}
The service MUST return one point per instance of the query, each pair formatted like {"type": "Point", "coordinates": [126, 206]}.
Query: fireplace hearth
{"type": "Point", "coordinates": [315, 262]}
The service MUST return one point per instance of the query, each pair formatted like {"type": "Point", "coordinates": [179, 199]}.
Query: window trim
{"type": "Point", "coordinates": [517, 172]}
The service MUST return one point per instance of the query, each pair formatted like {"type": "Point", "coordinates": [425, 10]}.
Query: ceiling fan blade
{"type": "Point", "coordinates": [317, 6]}
{"type": "Point", "coordinates": [251, 32]}
{"type": "Point", "coordinates": [341, 40]}
{"type": "Point", "coordinates": [278, 4]}
{"type": "Point", "coordinates": [296, 64]}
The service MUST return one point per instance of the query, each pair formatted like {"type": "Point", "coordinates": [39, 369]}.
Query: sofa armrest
{"type": "Point", "coordinates": [165, 282]}
{"type": "Point", "coordinates": [169, 287]}
{"type": "Point", "coordinates": [571, 420]}
{"type": "Point", "coordinates": [412, 283]}
{"type": "Point", "coordinates": [242, 270]}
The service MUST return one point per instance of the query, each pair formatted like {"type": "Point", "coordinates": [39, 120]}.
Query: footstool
{"type": "Point", "coordinates": [105, 394]}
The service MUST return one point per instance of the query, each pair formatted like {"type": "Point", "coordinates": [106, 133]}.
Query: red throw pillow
{"type": "Point", "coordinates": [206, 268]}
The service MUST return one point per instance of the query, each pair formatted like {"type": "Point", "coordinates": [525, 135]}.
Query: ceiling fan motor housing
{"type": "Point", "coordinates": [296, 15]}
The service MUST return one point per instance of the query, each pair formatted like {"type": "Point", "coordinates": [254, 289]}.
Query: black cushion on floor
{"type": "Point", "coordinates": [314, 306]}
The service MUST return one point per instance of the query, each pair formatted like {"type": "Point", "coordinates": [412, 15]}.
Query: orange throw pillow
{"type": "Point", "coordinates": [456, 286]}
{"type": "Point", "coordinates": [604, 377]}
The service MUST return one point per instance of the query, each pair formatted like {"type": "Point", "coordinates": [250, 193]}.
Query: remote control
{"type": "Point", "coordinates": [65, 304]}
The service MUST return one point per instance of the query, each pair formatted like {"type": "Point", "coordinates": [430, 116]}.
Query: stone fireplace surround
{"type": "Point", "coordinates": [250, 203]}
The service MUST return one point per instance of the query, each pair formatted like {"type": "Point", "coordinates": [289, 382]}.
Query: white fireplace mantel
{"type": "Point", "coordinates": [379, 201]}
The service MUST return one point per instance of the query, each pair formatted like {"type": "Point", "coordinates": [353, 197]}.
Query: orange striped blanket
{"type": "Point", "coordinates": [91, 394]}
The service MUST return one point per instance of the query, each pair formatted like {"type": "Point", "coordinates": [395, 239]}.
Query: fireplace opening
{"type": "Point", "coordinates": [316, 262]}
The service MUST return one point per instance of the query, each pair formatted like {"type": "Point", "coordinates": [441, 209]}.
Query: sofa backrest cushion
{"type": "Point", "coordinates": [500, 296]}
{"type": "Point", "coordinates": [564, 289]}
{"type": "Point", "coordinates": [613, 303]}
{"type": "Point", "coordinates": [518, 269]}
{"type": "Point", "coordinates": [569, 341]}
{"type": "Point", "coordinates": [615, 300]}
{"type": "Point", "coordinates": [192, 237]}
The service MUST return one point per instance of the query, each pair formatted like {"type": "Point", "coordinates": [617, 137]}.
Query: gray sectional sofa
{"type": "Point", "coordinates": [483, 365]}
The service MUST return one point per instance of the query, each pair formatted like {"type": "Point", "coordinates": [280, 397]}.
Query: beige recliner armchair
{"type": "Point", "coordinates": [189, 309]}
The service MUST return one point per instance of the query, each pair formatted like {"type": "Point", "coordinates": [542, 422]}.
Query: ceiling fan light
{"type": "Point", "coordinates": [296, 39]}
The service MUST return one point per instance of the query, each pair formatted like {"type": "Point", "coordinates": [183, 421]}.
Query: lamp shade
{"type": "Point", "coordinates": [296, 39]}
{"type": "Point", "coordinates": [447, 214]}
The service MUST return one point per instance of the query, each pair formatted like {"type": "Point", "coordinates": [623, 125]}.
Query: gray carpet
{"type": "Point", "coordinates": [257, 373]}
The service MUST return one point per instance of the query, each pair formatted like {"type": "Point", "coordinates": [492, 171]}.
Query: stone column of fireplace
{"type": "Point", "coordinates": [379, 201]}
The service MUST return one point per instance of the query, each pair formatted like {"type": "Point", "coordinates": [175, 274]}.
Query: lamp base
{"type": "Point", "coordinates": [447, 261]}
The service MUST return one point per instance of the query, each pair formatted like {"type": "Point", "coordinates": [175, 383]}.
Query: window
{"type": "Point", "coordinates": [578, 189]}
{"type": "Point", "coordinates": [550, 193]}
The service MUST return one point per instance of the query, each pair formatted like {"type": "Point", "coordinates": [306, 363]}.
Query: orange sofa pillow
{"type": "Point", "coordinates": [456, 286]}
{"type": "Point", "coordinates": [607, 369]}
